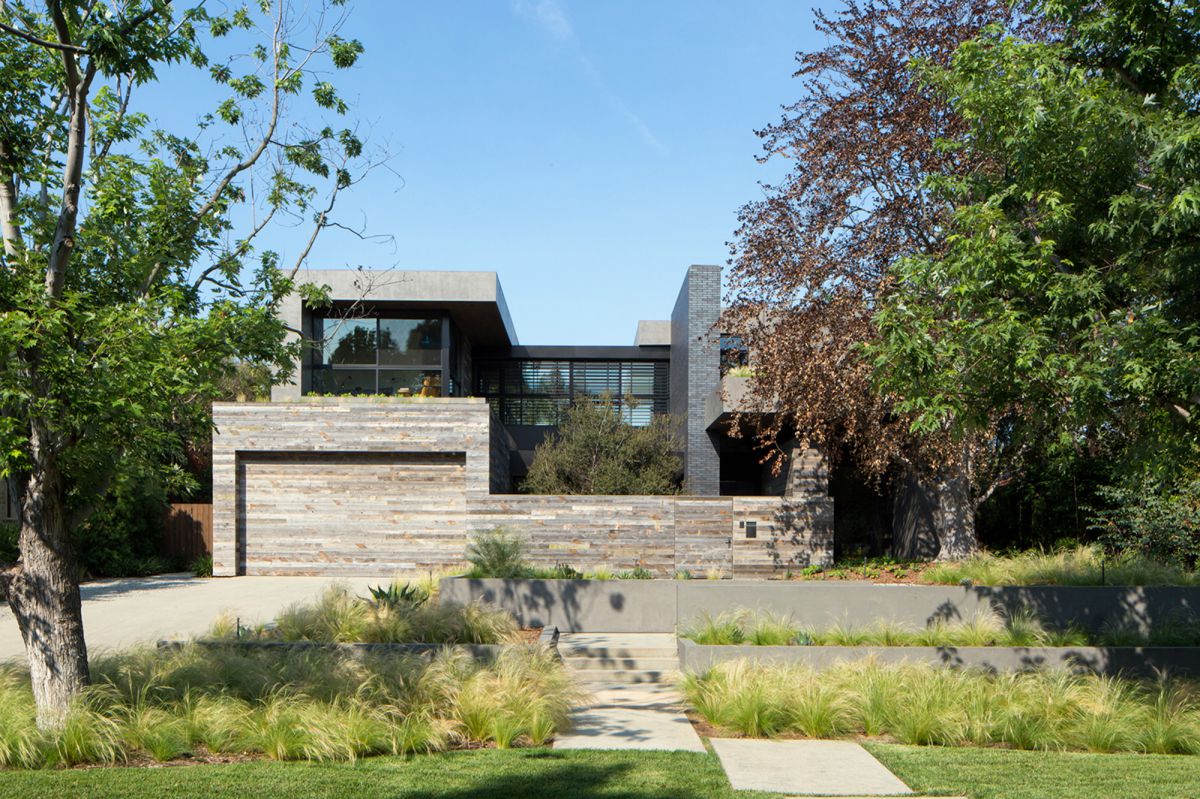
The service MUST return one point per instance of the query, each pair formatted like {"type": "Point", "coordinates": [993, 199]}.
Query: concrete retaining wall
{"type": "Point", "coordinates": [631, 606]}
{"type": "Point", "coordinates": [822, 604]}
{"type": "Point", "coordinates": [660, 605]}
{"type": "Point", "coordinates": [1131, 661]}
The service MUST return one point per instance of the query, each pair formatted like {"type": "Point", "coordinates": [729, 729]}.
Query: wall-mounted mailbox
{"type": "Point", "coordinates": [751, 529]}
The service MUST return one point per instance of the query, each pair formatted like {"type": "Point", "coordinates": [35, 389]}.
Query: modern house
{"type": "Point", "coordinates": [413, 415]}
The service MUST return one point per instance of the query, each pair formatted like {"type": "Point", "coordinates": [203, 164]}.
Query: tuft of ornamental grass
{"type": "Point", "coordinates": [319, 705]}
{"type": "Point", "coordinates": [925, 705]}
{"type": "Point", "coordinates": [761, 628]}
{"type": "Point", "coordinates": [339, 616]}
{"type": "Point", "coordinates": [496, 553]}
{"type": "Point", "coordinates": [1022, 629]}
{"type": "Point", "coordinates": [1084, 565]}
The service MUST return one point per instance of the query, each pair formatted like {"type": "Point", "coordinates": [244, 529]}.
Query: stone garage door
{"type": "Point", "coordinates": [349, 512]}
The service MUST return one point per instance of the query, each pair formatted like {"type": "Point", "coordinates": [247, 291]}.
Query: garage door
{"type": "Point", "coordinates": [350, 512]}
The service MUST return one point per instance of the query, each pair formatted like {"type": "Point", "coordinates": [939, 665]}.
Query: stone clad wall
{"type": "Point", "coordinates": [375, 486]}
{"type": "Point", "coordinates": [271, 465]}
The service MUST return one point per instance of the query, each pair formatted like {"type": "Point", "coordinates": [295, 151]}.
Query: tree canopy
{"type": "Point", "coordinates": [132, 278]}
{"type": "Point", "coordinates": [595, 451]}
{"type": "Point", "coordinates": [1066, 298]}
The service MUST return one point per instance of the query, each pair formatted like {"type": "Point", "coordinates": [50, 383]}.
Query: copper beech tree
{"type": "Point", "coordinates": [811, 258]}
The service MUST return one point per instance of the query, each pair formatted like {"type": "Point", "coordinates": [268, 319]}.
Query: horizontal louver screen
{"type": "Point", "coordinates": [538, 392]}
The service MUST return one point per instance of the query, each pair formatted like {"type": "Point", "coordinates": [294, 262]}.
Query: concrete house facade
{"type": "Point", "coordinates": [413, 415]}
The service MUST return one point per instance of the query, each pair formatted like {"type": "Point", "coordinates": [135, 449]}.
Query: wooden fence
{"type": "Point", "coordinates": [187, 530]}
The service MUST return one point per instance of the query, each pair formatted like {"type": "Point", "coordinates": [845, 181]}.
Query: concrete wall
{"type": "Point", "coordinates": [822, 604]}
{"type": "Point", "coordinates": [339, 485]}
{"type": "Point", "coordinates": [1128, 660]}
{"type": "Point", "coordinates": [573, 605]}
{"type": "Point", "coordinates": [696, 372]}
{"type": "Point", "coordinates": [616, 606]}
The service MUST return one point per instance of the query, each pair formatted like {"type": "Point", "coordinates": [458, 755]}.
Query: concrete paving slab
{"type": "Point", "coordinates": [644, 716]}
{"type": "Point", "coordinates": [126, 612]}
{"type": "Point", "coordinates": [805, 768]}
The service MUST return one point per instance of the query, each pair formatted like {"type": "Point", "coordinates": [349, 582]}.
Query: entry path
{"type": "Point", "coordinates": [121, 613]}
{"type": "Point", "coordinates": [634, 704]}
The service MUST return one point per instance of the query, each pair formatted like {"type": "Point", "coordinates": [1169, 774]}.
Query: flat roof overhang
{"type": "Point", "coordinates": [474, 300]}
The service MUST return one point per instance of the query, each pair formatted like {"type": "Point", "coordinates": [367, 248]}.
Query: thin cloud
{"type": "Point", "coordinates": [548, 15]}
{"type": "Point", "coordinates": [551, 17]}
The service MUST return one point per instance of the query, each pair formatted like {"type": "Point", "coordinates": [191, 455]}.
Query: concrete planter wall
{"type": "Point", "coordinates": [574, 605]}
{"type": "Point", "coordinates": [661, 605]}
{"type": "Point", "coordinates": [1132, 661]}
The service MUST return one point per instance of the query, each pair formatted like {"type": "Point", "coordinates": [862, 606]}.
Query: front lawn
{"type": "Point", "coordinates": [538, 773]}
{"type": "Point", "coordinates": [498, 774]}
{"type": "Point", "coordinates": [1009, 774]}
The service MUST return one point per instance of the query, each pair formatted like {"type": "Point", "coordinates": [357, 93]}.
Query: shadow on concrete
{"type": "Point", "coordinates": [106, 589]}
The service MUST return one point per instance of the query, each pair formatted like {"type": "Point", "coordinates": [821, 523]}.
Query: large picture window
{"type": "Point", "coordinates": [538, 392]}
{"type": "Point", "coordinates": [378, 355]}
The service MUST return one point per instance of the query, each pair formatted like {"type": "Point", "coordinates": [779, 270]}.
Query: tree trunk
{"type": "Point", "coordinates": [43, 592]}
{"type": "Point", "coordinates": [934, 518]}
{"type": "Point", "coordinates": [956, 515]}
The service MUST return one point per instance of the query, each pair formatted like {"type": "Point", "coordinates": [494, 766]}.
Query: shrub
{"type": "Point", "coordinates": [121, 538]}
{"type": "Point", "coordinates": [596, 451]}
{"type": "Point", "coordinates": [1157, 520]}
{"type": "Point", "coordinates": [387, 618]}
{"type": "Point", "coordinates": [496, 553]}
{"type": "Point", "coordinates": [9, 533]}
{"type": "Point", "coordinates": [202, 566]}
{"type": "Point", "coordinates": [926, 705]}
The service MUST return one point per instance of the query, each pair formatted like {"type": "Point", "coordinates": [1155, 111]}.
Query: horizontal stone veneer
{"type": "Point", "coordinates": [1128, 660]}
{"type": "Point", "coordinates": [345, 486]}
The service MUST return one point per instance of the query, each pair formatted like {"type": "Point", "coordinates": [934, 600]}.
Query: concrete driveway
{"type": "Point", "coordinates": [121, 613]}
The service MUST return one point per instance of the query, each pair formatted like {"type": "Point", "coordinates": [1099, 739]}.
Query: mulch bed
{"type": "Point", "coordinates": [529, 635]}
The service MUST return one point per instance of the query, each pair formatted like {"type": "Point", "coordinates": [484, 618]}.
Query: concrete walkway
{"type": "Point", "coordinates": [634, 702]}
{"type": "Point", "coordinates": [805, 768]}
{"type": "Point", "coordinates": [122, 613]}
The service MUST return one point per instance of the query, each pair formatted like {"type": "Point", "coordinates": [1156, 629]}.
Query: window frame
{"type": "Point", "coordinates": [317, 360]}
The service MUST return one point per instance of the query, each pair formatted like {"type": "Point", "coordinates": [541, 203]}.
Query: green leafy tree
{"type": "Point", "coordinates": [131, 278]}
{"type": "Point", "coordinates": [595, 451]}
{"type": "Point", "coordinates": [1065, 301]}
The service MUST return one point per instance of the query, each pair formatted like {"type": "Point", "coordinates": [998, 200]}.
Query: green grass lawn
{"type": "Point", "coordinates": [1011, 774]}
{"type": "Point", "coordinates": [485, 774]}
{"type": "Point", "coordinates": [534, 773]}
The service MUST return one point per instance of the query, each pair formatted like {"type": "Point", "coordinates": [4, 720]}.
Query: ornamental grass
{"type": "Point", "coordinates": [764, 628]}
{"type": "Point", "coordinates": [1083, 565]}
{"type": "Point", "coordinates": [925, 705]}
{"type": "Point", "coordinates": [339, 617]}
{"type": "Point", "coordinates": [289, 705]}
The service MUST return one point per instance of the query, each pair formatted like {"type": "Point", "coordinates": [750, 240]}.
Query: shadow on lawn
{"type": "Point", "coordinates": [548, 774]}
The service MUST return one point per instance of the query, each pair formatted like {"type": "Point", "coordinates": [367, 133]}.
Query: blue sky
{"type": "Point", "coordinates": [586, 151]}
